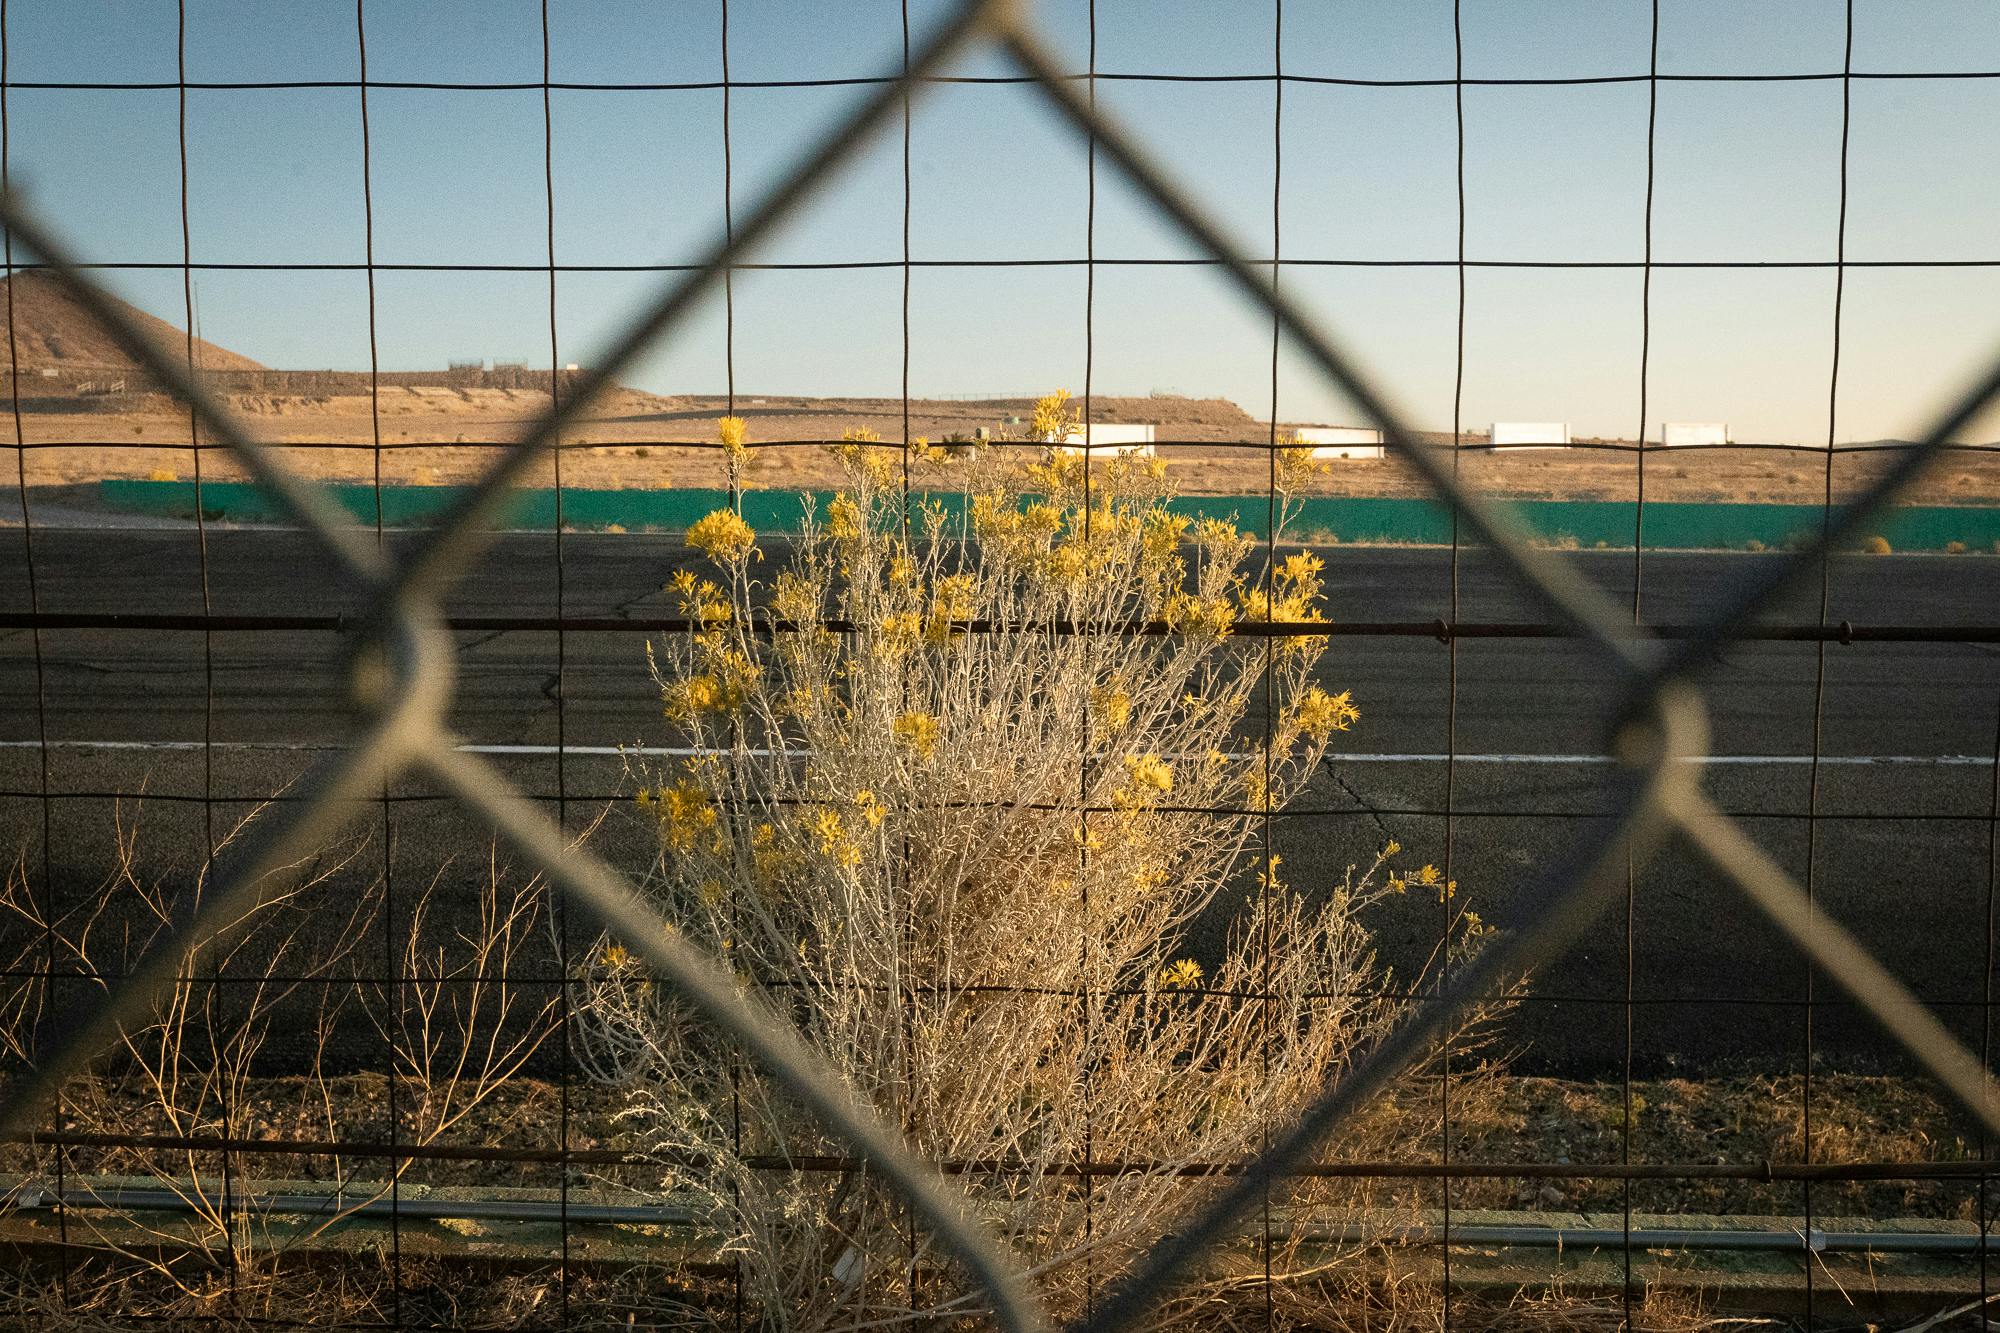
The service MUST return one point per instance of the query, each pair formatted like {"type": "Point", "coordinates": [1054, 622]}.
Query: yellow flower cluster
{"type": "Point", "coordinates": [1149, 771]}
{"type": "Point", "coordinates": [835, 844]}
{"type": "Point", "coordinates": [684, 811]}
{"type": "Point", "coordinates": [701, 601]}
{"type": "Point", "coordinates": [898, 634]}
{"type": "Point", "coordinates": [1181, 974]}
{"type": "Point", "coordinates": [1300, 569]}
{"type": "Point", "coordinates": [1111, 705]}
{"type": "Point", "coordinates": [1147, 778]}
{"type": "Point", "coordinates": [1296, 465]}
{"type": "Point", "coordinates": [733, 432]}
{"type": "Point", "coordinates": [1428, 876]}
{"type": "Point", "coordinates": [951, 600]}
{"type": "Point", "coordinates": [1055, 420]}
{"type": "Point", "coordinates": [918, 732]}
{"type": "Point", "coordinates": [796, 599]}
{"type": "Point", "coordinates": [1070, 562]}
{"type": "Point", "coordinates": [1198, 617]}
{"type": "Point", "coordinates": [725, 687]}
{"type": "Point", "coordinates": [770, 863]}
{"type": "Point", "coordinates": [857, 458]}
{"type": "Point", "coordinates": [1163, 533]}
{"type": "Point", "coordinates": [1013, 532]}
{"type": "Point", "coordinates": [693, 695]}
{"type": "Point", "coordinates": [1059, 474]}
{"type": "Point", "coordinates": [1318, 714]}
{"type": "Point", "coordinates": [1216, 534]}
{"type": "Point", "coordinates": [1122, 467]}
{"type": "Point", "coordinates": [1293, 594]}
{"type": "Point", "coordinates": [1292, 597]}
{"type": "Point", "coordinates": [843, 518]}
{"type": "Point", "coordinates": [1258, 605]}
{"type": "Point", "coordinates": [722, 536]}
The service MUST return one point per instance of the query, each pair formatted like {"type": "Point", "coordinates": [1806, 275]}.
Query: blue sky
{"type": "Point", "coordinates": [1744, 171]}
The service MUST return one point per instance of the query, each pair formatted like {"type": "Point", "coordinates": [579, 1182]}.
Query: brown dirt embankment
{"type": "Point", "coordinates": [441, 434]}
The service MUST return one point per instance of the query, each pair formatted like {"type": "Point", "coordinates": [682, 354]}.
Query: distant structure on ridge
{"type": "Point", "coordinates": [1109, 439]}
{"type": "Point", "coordinates": [1682, 433]}
{"type": "Point", "coordinates": [1342, 441]}
{"type": "Point", "coordinates": [1528, 435]}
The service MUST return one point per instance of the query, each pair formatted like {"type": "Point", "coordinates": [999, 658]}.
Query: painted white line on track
{"type": "Point", "coordinates": [671, 751]}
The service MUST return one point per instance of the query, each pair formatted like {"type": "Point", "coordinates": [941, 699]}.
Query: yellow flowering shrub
{"type": "Point", "coordinates": [893, 820]}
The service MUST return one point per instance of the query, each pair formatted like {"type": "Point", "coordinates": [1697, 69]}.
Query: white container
{"type": "Point", "coordinates": [1342, 441]}
{"type": "Point", "coordinates": [1529, 434]}
{"type": "Point", "coordinates": [1107, 440]}
{"type": "Point", "coordinates": [1679, 434]}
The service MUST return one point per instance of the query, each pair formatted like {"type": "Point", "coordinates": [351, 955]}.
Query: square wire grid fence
{"type": "Point", "coordinates": [404, 676]}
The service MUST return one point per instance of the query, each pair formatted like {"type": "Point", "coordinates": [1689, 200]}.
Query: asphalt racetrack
{"type": "Point", "coordinates": [1902, 850]}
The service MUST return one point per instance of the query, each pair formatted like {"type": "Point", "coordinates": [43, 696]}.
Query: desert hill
{"type": "Point", "coordinates": [53, 332]}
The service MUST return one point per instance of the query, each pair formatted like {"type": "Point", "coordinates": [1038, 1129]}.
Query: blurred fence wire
{"type": "Point", "coordinates": [402, 673]}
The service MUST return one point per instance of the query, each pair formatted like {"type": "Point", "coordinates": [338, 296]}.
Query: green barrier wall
{"type": "Point", "coordinates": [1587, 523]}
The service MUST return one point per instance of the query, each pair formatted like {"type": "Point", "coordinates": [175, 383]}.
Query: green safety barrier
{"type": "Point", "coordinates": [1669, 525]}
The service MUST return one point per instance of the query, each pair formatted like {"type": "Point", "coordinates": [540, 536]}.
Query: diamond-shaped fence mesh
{"type": "Point", "coordinates": [403, 663]}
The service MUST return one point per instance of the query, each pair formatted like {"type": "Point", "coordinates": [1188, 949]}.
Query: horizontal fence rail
{"type": "Point", "coordinates": [1846, 632]}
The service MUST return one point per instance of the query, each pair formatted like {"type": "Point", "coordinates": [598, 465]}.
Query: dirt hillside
{"type": "Point", "coordinates": [53, 332]}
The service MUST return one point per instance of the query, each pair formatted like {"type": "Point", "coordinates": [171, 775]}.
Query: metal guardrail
{"type": "Point", "coordinates": [403, 679]}
{"type": "Point", "coordinates": [359, 1201]}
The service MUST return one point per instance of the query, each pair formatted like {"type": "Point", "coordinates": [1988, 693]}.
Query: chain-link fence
{"type": "Point", "coordinates": [404, 666]}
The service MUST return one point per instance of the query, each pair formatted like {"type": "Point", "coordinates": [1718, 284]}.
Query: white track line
{"type": "Point", "coordinates": [665, 751]}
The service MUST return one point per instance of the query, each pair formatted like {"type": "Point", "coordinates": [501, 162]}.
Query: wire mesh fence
{"type": "Point", "coordinates": [404, 670]}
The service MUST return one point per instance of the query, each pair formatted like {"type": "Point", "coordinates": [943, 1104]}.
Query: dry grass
{"type": "Point", "coordinates": [300, 964]}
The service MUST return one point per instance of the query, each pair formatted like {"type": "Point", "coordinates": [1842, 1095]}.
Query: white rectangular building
{"type": "Point", "coordinates": [1529, 434]}
{"type": "Point", "coordinates": [1342, 441]}
{"type": "Point", "coordinates": [1679, 434]}
{"type": "Point", "coordinates": [1110, 439]}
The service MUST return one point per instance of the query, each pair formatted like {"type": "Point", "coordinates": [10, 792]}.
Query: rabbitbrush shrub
{"type": "Point", "coordinates": [962, 857]}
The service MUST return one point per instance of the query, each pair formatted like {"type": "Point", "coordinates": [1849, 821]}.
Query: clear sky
{"type": "Point", "coordinates": [1744, 171]}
